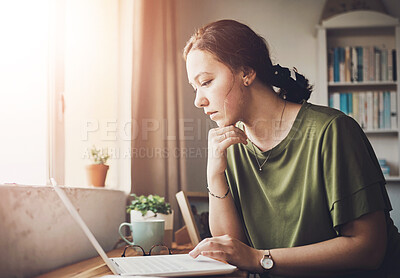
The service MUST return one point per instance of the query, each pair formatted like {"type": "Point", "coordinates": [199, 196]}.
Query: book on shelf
{"type": "Point", "coordinates": [371, 64]}
{"type": "Point", "coordinates": [336, 64]}
{"type": "Point", "coordinates": [361, 64]}
{"type": "Point", "coordinates": [380, 113]}
{"type": "Point", "coordinates": [377, 64]}
{"type": "Point", "coordinates": [384, 64]}
{"type": "Point", "coordinates": [356, 107]}
{"type": "Point", "coordinates": [330, 64]}
{"type": "Point", "coordinates": [347, 64]}
{"type": "Point", "coordinates": [390, 66]}
{"type": "Point", "coordinates": [334, 100]}
{"type": "Point", "coordinates": [350, 105]}
{"type": "Point", "coordinates": [344, 104]}
{"type": "Point", "coordinates": [353, 64]}
{"type": "Point", "coordinates": [365, 63]}
{"type": "Point", "coordinates": [375, 103]}
{"type": "Point", "coordinates": [386, 110]}
{"type": "Point", "coordinates": [373, 110]}
{"type": "Point", "coordinates": [393, 109]}
{"type": "Point", "coordinates": [394, 65]}
{"type": "Point", "coordinates": [363, 116]}
{"type": "Point", "coordinates": [342, 64]}
{"type": "Point", "coordinates": [370, 110]}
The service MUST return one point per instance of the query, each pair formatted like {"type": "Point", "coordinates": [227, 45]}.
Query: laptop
{"type": "Point", "coordinates": [161, 265]}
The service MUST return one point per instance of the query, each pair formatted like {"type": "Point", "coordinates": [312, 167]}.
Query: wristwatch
{"type": "Point", "coordinates": [266, 262]}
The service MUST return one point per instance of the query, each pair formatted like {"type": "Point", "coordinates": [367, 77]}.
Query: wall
{"type": "Point", "coordinates": [289, 28]}
{"type": "Point", "coordinates": [37, 234]}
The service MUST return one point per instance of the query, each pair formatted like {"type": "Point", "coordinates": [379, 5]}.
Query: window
{"type": "Point", "coordinates": [80, 51]}
{"type": "Point", "coordinates": [24, 91]}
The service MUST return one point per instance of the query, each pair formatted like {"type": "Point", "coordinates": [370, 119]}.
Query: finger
{"type": "Point", "coordinates": [236, 133]}
{"type": "Point", "coordinates": [227, 137]}
{"type": "Point", "coordinates": [205, 244]}
{"type": "Point", "coordinates": [220, 134]}
{"type": "Point", "coordinates": [197, 250]}
{"type": "Point", "coordinates": [194, 253]}
{"type": "Point", "coordinates": [221, 130]}
{"type": "Point", "coordinates": [229, 142]}
{"type": "Point", "coordinates": [229, 134]}
{"type": "Point", "coordinates": [216, 255]}
{"type": "Point", "coordinates": [220, 150]}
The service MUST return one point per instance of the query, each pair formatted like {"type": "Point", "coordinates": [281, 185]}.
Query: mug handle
{"type": "Point", "coordinates": [122, 236]}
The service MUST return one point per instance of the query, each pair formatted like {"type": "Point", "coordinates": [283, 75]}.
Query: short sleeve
{"type": "Point", "coordinates": [353, 178]}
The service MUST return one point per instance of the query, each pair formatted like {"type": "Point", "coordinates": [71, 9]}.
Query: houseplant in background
{"type": "Point", "coordinates": [97, 172]}
{"type": "Point", "coordinates": [153, 207]}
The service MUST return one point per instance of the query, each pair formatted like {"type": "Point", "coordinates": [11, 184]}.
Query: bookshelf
{"type": "Point", "coordinates": [371, 37]}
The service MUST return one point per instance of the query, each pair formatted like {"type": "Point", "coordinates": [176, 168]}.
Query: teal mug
{"type": "Point", "coordinates": [145, 233]}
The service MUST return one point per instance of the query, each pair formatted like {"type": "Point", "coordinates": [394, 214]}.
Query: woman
{"type": "Point", "coordinates": [295, 189]}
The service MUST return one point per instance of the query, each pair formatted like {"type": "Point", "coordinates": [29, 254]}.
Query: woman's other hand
{"type": "Point", "coordinates": [228, 249]}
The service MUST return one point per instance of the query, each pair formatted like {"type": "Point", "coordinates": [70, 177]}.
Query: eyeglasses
{"type": "Point", "coordinates": [136, 250]}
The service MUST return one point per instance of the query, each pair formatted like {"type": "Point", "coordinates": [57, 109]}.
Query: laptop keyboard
{"type": "Point", "coordinates": [154, 264]}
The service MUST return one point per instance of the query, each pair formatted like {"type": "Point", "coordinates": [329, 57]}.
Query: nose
{"type": "Point", "coordinates": [200, 101]}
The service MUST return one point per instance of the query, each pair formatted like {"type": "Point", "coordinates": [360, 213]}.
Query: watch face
{"type": "Point", "coordinates": [267, 263]}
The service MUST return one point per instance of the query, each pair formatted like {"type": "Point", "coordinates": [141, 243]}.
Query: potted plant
{"type": "Point", "coordinates": [97, 171]}
{"type": "Point", "coordinates": [153, 207]}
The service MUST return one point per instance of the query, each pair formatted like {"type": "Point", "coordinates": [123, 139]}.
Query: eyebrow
{"type": "Point", "coordinates": [200, 73]}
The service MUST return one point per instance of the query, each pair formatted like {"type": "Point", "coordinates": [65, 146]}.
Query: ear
{"type": "Point", "coordinates": [249, 75]}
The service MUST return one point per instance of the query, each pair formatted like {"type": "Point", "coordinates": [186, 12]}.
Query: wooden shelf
{"type": "Point", "coordinates": [362, 84]}
{"type": "Point", "coordinates": [393, 179]}
{"type": "Point", "coordinates": [381, 131]}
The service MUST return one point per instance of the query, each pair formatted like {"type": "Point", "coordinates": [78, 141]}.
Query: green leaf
{"type": "Point", "coordinates": [152, 203]}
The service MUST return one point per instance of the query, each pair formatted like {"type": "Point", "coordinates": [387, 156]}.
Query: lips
{"type": "Point", "coordinates": [211, 114]}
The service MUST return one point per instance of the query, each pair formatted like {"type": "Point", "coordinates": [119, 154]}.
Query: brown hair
{"type": "Point", "coordinates": [239, 47]}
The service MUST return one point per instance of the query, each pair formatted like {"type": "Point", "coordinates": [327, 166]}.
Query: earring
{"type": "Point", "coordinates": [246, 83]}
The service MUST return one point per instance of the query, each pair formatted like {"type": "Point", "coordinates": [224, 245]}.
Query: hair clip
{"type": "Point", "coordinates": [289, 81]}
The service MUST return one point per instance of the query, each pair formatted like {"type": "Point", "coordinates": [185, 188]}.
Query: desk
{"type": "Point", "coordinates": [96, 267]}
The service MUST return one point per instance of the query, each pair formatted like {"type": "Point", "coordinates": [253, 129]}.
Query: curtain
{"type": "Point", "coordinates": [157, 166]}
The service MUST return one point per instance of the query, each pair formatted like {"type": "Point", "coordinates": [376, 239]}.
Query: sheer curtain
{"type": "Point", "coordinates": [157, 163]}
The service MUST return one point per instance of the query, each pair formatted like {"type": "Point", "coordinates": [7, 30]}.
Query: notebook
{"type": "Point", "coordinates": [162, 265]}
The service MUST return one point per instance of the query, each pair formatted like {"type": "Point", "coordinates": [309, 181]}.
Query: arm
{"type": "Point", "coordinates": [361, 246]}
{"type": "Point", "coordinates": [224, 219]}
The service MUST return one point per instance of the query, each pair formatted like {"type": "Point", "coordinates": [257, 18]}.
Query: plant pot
{"type": "Point", "coordinates": [168, 227]}
{"type": "Point", "coordinates": [96, 174]}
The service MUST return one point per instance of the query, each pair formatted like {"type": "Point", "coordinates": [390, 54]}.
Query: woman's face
{"type": "Point", "coordinates": [219, 91]}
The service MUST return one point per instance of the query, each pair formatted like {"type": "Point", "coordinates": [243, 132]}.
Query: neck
{"type": "Point", "coordinates": [269, 117]}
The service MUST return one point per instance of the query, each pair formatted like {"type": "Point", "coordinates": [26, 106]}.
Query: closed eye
{"type": "Point", "coordinates": [206, 83]}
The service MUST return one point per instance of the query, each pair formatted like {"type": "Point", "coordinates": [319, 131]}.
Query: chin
{"type": "Point", "coordinates": [223, 123]}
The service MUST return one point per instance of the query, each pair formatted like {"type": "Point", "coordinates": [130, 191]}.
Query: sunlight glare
{"type": "Point", "coordinates": [23, 90]}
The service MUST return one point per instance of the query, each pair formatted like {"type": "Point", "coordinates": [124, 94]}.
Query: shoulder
{"type": "Point", "coordinates": [323, 117]}
{"type": "Point", "coordinates": [322, 113]}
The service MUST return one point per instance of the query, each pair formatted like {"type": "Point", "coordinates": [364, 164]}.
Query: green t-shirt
{"type": "Point", "coordinates": [322, 175]}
